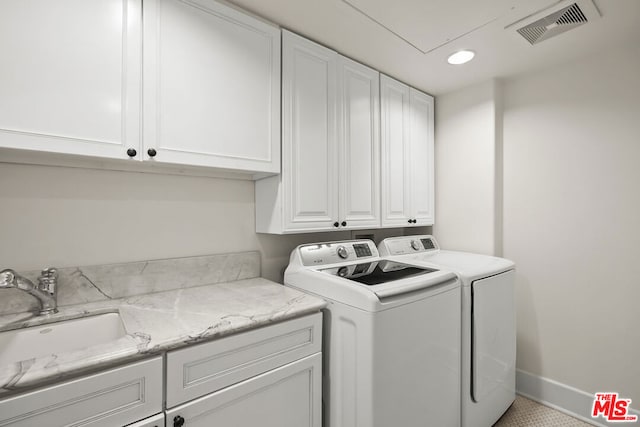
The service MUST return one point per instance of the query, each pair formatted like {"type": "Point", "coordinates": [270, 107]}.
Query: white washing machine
{"type": "Point", "coordinates": [488, 322]}
{"type": "Point", "coordinates": [391, 336]}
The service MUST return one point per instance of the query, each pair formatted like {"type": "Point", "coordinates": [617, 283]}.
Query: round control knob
{"type": "Point", "coordinates": [415, 244]}
{"type": "Point", "coordinates": [342, 252]}
{"type": "Point", "coordinates": [343, 271]}
{"type": "Point", "coordinates": [131, 152]}
{"type": "Point", "coordinates": [152, 152]}
{"type": "Point", "coordinates": [336, 224]}
{"type": "Point", "coordinates": [178, 421]}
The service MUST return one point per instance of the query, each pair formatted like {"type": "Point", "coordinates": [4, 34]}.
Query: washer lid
{"type": "Point", "coordinates": [378, 272]}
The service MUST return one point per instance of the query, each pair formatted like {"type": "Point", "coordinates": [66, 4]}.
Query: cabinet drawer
{"type": "Point", "coordinates": [201, 369]}
{"type": "Point", "coordinates": [115, 397]}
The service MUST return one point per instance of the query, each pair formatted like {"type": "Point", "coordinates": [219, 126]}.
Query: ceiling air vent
{"type": "Point", "coordinates": [551, 25]}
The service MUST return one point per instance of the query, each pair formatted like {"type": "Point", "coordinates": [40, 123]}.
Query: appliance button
{"type": "Point", "coordinates": [342, 252]}
{"type": "Point", "coordinates": [415, 244]}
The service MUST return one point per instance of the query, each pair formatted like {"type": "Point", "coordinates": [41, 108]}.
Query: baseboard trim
{"type": "Point", "coordinates": [564, 398]}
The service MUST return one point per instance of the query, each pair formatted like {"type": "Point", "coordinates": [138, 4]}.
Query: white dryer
{"type": "Point", "coordinates": [391, 336]}
{"type": "Point", "coordinates": [488, 322]}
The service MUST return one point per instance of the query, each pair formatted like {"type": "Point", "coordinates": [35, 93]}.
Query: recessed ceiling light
{"type": "Point", "coordinates": [461, 57]}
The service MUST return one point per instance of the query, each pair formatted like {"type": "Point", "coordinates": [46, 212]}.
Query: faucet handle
{"type": "Point", "coordinates": [50, 272]}
{"type": "Point", "coordinates": [48, 280]}
{"type": "Point", "coordinates": [7, 278]}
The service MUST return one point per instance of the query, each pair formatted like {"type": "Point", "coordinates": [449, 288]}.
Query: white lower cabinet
{"type": "Point", "coordinates": [288, 396]}
{"type": "Point", "coordinates": [115, 397]}
{"type": "Point", "coordinates": [268, 377]}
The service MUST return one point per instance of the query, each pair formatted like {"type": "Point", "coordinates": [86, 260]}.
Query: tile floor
{"type": "Point", "coordinates": [527, 413]}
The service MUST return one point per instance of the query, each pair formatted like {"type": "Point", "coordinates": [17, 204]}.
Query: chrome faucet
{"type": "Point", "coordinates": [45, 291]}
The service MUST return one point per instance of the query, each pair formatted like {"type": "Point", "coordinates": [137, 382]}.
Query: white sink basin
{"type": "Point", "coordinates": [59, 337]}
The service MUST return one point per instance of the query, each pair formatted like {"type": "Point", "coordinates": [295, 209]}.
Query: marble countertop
{"type": "Point", "coordinates": [155, 323]}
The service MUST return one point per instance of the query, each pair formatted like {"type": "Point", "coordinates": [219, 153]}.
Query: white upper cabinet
{"type": "Point", "coordinates": [73, 82]}
{"type": "Point", "coordinates": [396, 197]}
{"type": "Point", "coordinates": [211, 86]}
{"type": "Point", "coordinates": [407, 155]}
{"type": "Point", "coordinates": [330, 145]}
{"type": "Point", "coordinates": [70, 78]}
{"type": "Point", "coordinates": [359, 144]}
{"type": "Point", "coordinates": [422, 158]}
{"type": "Point", "coordinates": [309, 135]}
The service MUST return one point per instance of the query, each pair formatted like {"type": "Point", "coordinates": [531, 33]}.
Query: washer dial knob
{"type": "Point", "coordinates": [342, 252]}
{"type": "Point", "coordinates": [415, 244]}
{"type": "Point", "coordinates": [343, 271]}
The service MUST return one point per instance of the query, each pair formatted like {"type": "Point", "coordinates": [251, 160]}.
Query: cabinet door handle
{"type": "Point", "coordinates": [178, 421]}
{"type": "Point", "coordinates": [131, 152]}
{"type": "Point", "coordinates": [344, 223]}
{"type": "Point", "coordinates": [152, 152]}
{"type": "Point", "coordinates": [336, 224]}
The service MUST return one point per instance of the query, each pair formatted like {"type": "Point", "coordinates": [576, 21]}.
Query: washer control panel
{"type": "Point", "coordinates": [336, 252]}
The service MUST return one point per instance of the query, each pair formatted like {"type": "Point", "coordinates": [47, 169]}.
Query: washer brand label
{"type": "Point", "coordinates": [612, 408]}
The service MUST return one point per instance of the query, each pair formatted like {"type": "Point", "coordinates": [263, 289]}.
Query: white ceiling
{"type": "Point", "coordinates": [411, 39]}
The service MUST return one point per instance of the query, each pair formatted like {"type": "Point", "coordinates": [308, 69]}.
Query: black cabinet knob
{"type": "Point", "coordinates": [152, 152]}
{"type": "Point", "coordinates": [131, 152]}
{"type": "Point", "coordinates": [344, 223]}
{"type": "Point", "coordinates": [178, 421]}
{"type": "Point", "coordinates": [409, 221]}
{"type": "Point", "coordinates": [336, 224]}
{"type": "Point", "coordinates": [415, 220]}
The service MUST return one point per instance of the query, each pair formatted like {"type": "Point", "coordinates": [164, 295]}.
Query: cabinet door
{"type": "Point", "coordinates": [421, 158]}
{"type": "Point", "coordinates": [309, 155]}
{"type": "Point", "coordinates": [396, 175]}
{"type": "Point", "coordinates": [359, 144]}
{"type": "Point", "coordinates": [70, 81]}
{"type": "Point", "coordinates": [211, 86]}
{"type": "Point", "coordinates": [289, 396]}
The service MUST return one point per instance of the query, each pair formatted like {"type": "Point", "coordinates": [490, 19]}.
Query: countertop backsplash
{"type": "Point", "coordinates": [79, 285]}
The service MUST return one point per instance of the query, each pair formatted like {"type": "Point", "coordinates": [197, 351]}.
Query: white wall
{"type": "Point", "coordinates": [566, 186]}
{"type": "Point", "coordinates": [465, 151]}
{"type": "Point", "coordinates": [70, 216]}
{"type": "Point", "coordinates": [60, 216]}
{"type": "Point", "coordinates": [571, 214]}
